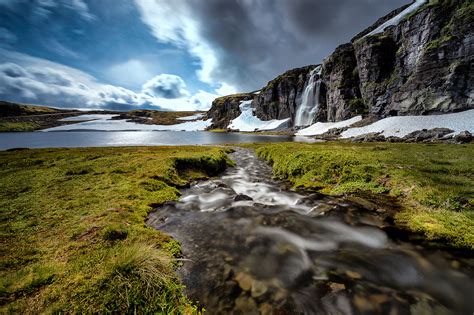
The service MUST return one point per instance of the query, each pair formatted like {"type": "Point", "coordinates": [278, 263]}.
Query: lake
{"type": "Point", "coordinates": [71, 139]}
{"type": "Point", "coordinates": [102, 131]}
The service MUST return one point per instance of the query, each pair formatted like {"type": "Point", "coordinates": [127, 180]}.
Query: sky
{"type": "Point", "coordinates": [165, 54]}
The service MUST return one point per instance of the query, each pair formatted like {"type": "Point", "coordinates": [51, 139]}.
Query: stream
{"type": "Point", "coordinates": [252, 247]}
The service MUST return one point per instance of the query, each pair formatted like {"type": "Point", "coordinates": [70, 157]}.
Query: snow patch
{"type": "Point", "coordinates": [193, 117]}
{"type": "Point", "coordinates": [400, 126]}
{"type": "Point", "coordinates": [396, 19]}
{"type": "Point", "coordinates": [103, 123]}
{"type": "Point", "coordinates": [321, 127]}
{"type": "Point", "coordinates": [248, 122]}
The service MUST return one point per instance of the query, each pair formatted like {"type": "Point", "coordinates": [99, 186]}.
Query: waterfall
{"type": "Point", "coordinates": [307, 109]}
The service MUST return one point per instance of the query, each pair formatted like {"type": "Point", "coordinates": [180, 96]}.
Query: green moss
{"type": "Point", "coordinates": [435, 44]}
{"type": "Point", "coordinates": [74, 238]}
{"type": "Point", "coordinates": [358, 106]}
{"type": "Point", "coordinates": [434, 182]}
{"type": "Point", "coordinates": [220, 101]}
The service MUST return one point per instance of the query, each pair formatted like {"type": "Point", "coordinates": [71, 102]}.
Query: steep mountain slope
{"type": "Point", "coordinates": [421, 63]}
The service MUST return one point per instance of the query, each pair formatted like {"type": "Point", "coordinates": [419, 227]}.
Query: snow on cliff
{"type": "Point", "coordinates": [396, 19]}
{"type": "Point", "coordinates": [248, 122]}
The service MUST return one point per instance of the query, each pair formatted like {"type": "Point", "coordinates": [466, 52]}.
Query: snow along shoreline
{"type": "Point", "coordinates": [400, 126]}
{"type": "Point", "coordinates": [397, 126]}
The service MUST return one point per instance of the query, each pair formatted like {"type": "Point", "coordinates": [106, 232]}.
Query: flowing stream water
{"type": "Point", "coordinates": [250, 246]}
{"type": "Point", "coordinates": [308, 108]}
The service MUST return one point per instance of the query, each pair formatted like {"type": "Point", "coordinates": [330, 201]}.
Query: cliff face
{"type": "Point", "coordinates": [279, 99]}
{"type": "Point", "coordinates": [422, 65]}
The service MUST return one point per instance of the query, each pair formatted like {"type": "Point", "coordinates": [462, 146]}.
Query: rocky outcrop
{"type": "Point", "coordinates": [280, 98]}
{"type": "Point", "coordinates": [226, 108]}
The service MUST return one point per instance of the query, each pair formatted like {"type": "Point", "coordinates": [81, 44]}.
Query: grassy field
{"type": "Point", "coordinates": [73, 236]}
{"type": "Point", "coordinates": [434, 183]}
{"type": "Point", "coordinates": [10, 126]}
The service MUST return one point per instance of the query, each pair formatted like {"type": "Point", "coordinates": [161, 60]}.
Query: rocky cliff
{"type": "Point", "coordinates": [226, 108]}
{"type": "Point", "coordinates": [424, 64]}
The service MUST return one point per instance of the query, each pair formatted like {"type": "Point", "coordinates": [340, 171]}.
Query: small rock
{"type": "Point", "coordinates": [353, 274]}
{"type": "Point", "coordinates": [336, 287]}
{"type": "Point", "coordinates": [242, 197]}
{"type": "Point", "coordinates": [244, 280]}
{"type": "Point", "coordinates": [258, 288]}
{"type": "Point", "coordinates": [246, 305]}
{"type": "Point", "coordinates": [464, 137]}
{"type": "Point", "coordinates": [265, 309]}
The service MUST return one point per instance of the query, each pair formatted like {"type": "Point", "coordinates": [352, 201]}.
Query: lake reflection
{"type": "Point", "coordinates": [128, 138]}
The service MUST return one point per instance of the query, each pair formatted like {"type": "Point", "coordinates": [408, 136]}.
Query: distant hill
{"type": "Point", "coordinates": [8, 109]}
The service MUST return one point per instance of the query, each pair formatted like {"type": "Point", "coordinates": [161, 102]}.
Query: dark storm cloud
{"type": "Point", "coordinates": [252, 41]}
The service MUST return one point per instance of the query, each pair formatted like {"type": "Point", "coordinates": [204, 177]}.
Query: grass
{"type": "Point", "coordinates": [73, 237]}
{"type": "Point", "coordinates": [17, 126]}
{"type": "Point", "coordinates": [434, 183]}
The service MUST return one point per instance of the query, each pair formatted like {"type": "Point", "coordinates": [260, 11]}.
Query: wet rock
{"type": "Point", "coordinates": [246, 305]}
{"type": "Point", "coordinates": [244, 280]}
{"type": "Point", "coordinates": [464, 137]}
{"type": "Point", "coordinates": [336, 287]}
{"type": "Point", "coordinates": [242, 197]}
{"type": "Point", "coordinates": [258, 288]}
{"type": "Point", "coordinates": [321, 209]}
{"type": "Point", "coordinates": [265, 309]}
{"type": "Point", "coordinates": [353, 274]}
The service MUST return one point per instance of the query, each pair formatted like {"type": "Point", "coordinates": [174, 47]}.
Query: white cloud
{"type": "Point", "coordinates": [129, 73]}
{"type": "Point", "coordinates": [226, 89]}
{"type": "Point", "coordinates": [33, 80]}
{"type": "Point", "coordinates": [173, 22]}
{"type": "Point", "coordinates": [166, 86]}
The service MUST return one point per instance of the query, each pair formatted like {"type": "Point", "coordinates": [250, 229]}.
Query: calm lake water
{"type": "Point", "coordinates": [70, 139]}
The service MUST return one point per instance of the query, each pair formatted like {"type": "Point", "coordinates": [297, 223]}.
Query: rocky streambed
{"type": "Point", "coordinates": [249, 246]}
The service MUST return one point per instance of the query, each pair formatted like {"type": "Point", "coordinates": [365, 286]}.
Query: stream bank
{"type": "Point", "coordinates": [250, 246]}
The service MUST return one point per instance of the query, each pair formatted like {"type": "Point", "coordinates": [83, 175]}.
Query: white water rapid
{"type": "Point", "coordinates": [308, 108]}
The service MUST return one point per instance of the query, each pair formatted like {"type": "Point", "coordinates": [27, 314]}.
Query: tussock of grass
{"type": "Point", "coordinates": [434, 182]}
{"type": "Point", "coordinates": [73, 233]}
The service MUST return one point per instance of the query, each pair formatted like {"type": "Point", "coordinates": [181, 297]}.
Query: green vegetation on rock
{"type": "Point", "coordinates": [434, 183]}
{"type": "Point", "coordinates": [73, 233]}
{"type": "Point", "coordinates": [220, 101]}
